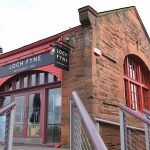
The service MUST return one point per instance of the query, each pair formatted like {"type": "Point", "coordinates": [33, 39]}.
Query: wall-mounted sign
{"type": "Point", "coordinates": [29, 63]}
{"type": "Point", "coordinates": [61, 57]}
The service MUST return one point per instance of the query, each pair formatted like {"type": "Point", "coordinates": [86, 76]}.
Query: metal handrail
{"type": "Point", "coordinates": [7, 107]}
{"type": "Point", "coordinates": [133, 113]}
{"type": "Point", "coordinates": [146, 112]}
{"type": "Point", "coordinates": [89, 125]}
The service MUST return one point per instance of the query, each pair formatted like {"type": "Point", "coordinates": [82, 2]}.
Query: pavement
{"type": "Point", "coordinates": [33, 148]}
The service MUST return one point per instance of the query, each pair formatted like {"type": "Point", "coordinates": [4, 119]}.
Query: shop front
{"type": "Point", "coordinates": [38, 106]}
{"type": "Point", "coordinates": [32, 77]}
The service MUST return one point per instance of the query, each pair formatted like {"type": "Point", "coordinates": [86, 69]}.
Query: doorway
{"type": "Point", "coordinates": [27, 114]}
{"type": "Point", "coordinates": [53, 131]}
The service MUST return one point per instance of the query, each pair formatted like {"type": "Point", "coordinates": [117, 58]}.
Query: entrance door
{"type": "Point", "coordinates": [27, 115]}
{"type": "Point", "coordinates": [54, 116]}
{"type": "Point", "coordinates": [34, 111]}
{"type": "Point", "coordinates": [19, 116]}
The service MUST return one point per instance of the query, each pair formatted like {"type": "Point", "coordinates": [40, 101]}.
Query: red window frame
{"type": "Point", "coordinates": [136, 84]}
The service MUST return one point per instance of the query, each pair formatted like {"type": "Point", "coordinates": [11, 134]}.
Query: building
{"type": "Point", "coordinates": [108, 64]}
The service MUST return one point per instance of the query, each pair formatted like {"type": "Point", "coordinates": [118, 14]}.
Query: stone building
{"type": "Point", "coordinates": [108, 65]}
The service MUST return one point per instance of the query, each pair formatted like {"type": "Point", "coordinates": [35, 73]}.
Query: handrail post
{"type": "Point", "coordinates": [147, 134]}
{"type": "Point", "coordinates": [71, 124]}
{"type": "Point", "coordinates": [7, 129]}
{"type": "Point", "coordinates": [11, 129]}
{"type": "Point", "coordinates": [84, 132]}
{"type": "Point", "coordinates": [122, 130]}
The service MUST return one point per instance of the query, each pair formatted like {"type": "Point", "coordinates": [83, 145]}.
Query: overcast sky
{"type": "Point", "coordinates": [26, 21]}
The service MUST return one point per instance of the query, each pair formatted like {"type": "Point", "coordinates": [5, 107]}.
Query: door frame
{"type": "Point", "coordinates": [26, 104]}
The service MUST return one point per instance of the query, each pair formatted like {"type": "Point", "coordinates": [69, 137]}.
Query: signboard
{"type": "Point", "coordinates": [61, 57]}
{"type": "Point", "coordinates": [2, 128]}
{"type": "Point", "coordinates": [29, 63]}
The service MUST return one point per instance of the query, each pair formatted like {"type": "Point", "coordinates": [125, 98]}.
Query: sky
{"type": "Point", "coordinates": [23, 22]}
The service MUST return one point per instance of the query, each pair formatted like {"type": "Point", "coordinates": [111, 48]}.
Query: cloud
{"type": "Point", "coordinates": [24, 22]}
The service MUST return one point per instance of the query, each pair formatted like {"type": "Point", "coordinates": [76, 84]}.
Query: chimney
{"type": "Point", "coordinates": [1, 50]}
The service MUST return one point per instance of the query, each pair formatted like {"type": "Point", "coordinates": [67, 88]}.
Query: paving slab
{"type": "Point", "coordinates": [34, 148]}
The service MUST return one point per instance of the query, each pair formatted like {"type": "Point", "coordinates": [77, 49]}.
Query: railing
{"type": "Point", "coordinates": [84, 135]}
{"type": "Point", "coordinates": [132, 138]}
{"type": "Point", "coordinates": [6, 126]}
{"type": "Point", "coordinates": [147, 128]}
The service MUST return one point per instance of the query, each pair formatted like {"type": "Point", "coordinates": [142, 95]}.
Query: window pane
{"type": "Point", "coordinates": [50, 78]}
{"type": "Point", "coordinates": [41, 78]}
{"type": "Point", "coordinates": [134, 97]}
{"type": "Point", "coordinates": [34, 115]}
{"type": "Point", "coordinates": [25, 82]}
{"type": "Point", "coordinates": [5, 100]}
{"type": "Point", "coordinates": [54, 115]}
{"type": "Point", "coordinates": [10, 86]}
{"type": "Point", "coordinates": [17, 84]}
{"type": "Point", "coordinates": [133, 69]}
{"type": "Point", "coordinates": [19, 116]}
{"type": "Point", "coordinates": [33, 79]}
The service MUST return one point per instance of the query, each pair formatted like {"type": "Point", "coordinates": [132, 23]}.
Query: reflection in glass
{"type": "Point", "coordinates": [19, 116]}
{"type": "Point", "coordinates": [41, 78]}
{"type": "Point", "coordinates": [50, 78]}
{"type": "Point", "coordinates": [54, 115]}
{"type": "Point", "coordinates": [17, 84]}
{"type": "Point", "coordinates": [34, 115]}
{"type": "Point", "coordinates": [4, 100]}
{"type": "Point", "coordinates": [10, 86]}
{"type": "Point", "coordinates": [25, 81]}
{"type": "Point", "coordinates": [33, 79]}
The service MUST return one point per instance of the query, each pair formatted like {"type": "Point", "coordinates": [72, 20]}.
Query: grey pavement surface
{"type": "Point", "coordinates": [34, 148]}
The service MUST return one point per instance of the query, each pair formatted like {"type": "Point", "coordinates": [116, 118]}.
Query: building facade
{"type": "Point", "coordinates": [108, 64]}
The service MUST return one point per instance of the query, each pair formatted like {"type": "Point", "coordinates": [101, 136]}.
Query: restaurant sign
{"type": "Point", "coordinates": [29, 63]}
{"type": "Point", "coordinates": [62, 57]}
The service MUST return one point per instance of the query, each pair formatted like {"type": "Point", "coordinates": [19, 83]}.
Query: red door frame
{"type": "Point", "coordinates": [26, 104]}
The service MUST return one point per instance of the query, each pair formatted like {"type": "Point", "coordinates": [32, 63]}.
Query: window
{"type": "Point", "coordinates": [136, 83]}
{"type": "Point", "coordinates": [41, 78]}
{"type": "Point", "coordinates": [17, 84]}
{"type": "Point", "coordinates": [25, 81]}
{"type": "Point", "coordinates": [29, 79]}
{"type": "Point", "coordinates": [33, 79]}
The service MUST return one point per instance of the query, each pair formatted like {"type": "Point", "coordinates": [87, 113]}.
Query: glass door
{"type": "Point", "coordinates": [27, 114]}
{"type": "Point", "coordinates": [34, 111]}
{"type": "Point", "coordinates": [19, 116]}
{"type": "Point", "coordinates": [54, 116]}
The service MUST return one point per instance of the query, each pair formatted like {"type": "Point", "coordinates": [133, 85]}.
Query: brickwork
{"type": "Point", "coordinates": [79, 76]}
{"type": "Point", "coordinates": [120, 33]}
{"type": "Point", "coordinates": [110, 135]}
{"type": "Point", "coordinates": [117, 34]}
{"type": "Point", "coordinates": [97, 80]}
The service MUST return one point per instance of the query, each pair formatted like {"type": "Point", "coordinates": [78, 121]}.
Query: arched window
{"type": "Point", "coordinates": [28, 79]}
{"type": "Point", "coordinates": [136, 83]}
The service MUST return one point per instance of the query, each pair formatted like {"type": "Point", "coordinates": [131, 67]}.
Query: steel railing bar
{"type": "Point", "coordinates": [84, 133]}
{"type": "Point", "coordinates": [6, 108]}
{"type": "Point", "coordinates": [146, 112]}
{"type": "Point", "coordinates": [95, 138]}
{"type": "Point", "coordinates": [86, 138]}
{"type": "Point", "coordinates": [133, 113]}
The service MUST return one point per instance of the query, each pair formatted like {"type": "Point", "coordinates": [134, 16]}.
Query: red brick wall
{"type": "Point", "coordinates": [116, 34]}
{"type": "Point", "coordinates": [78, 78]}
{"type": "Point", "coordinates": [100, 79]}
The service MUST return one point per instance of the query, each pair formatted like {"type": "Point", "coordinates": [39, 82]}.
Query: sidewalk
{"type": "Point", "coordinates": [34, 148]}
